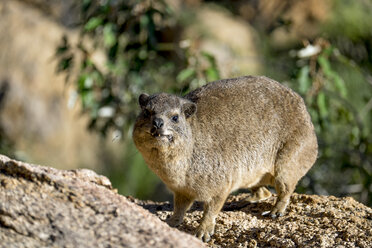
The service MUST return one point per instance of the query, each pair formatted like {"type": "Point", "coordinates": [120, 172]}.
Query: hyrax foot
{"type": "Point", "coordinates": [258, 194]}
{"type": "Point", "coordinates": [211, 209]}
{"type": "Point", "coordinates": [284, 194]}
{"type": "Point", "coordinates": [181, 205]}
{"type": "Point", "coordinates": [279, 208]}
{"type": "Point", "coordinates": [273, 213]}
{"type": "Point", "coordinates": [174, 221]}
{"type": "Point", "coordinates": [205, 231]}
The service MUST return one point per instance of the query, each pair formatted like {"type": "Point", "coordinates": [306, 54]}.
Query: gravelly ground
{"type": "Point", "coordinates": [311, 221]}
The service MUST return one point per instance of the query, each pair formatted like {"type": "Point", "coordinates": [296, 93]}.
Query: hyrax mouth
{"type": "Point", "coordinates": [158, 134]}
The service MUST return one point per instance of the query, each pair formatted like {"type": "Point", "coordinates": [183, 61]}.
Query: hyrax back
{"type": "Point", "coordinates": [246, 132]}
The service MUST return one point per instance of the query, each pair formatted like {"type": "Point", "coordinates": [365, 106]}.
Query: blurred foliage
{"type": "Point", "coordinates": [328, 82]}
{"type": "Point", "coordinates": [336, 83]}
{"type": "Point", "coordinates": [142, 51]}
{"type": "Point", "coordinates": [138, 56]}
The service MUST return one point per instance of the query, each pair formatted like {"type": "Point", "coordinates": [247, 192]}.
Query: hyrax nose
{"type": "Point", "coordinates": [158, 122]}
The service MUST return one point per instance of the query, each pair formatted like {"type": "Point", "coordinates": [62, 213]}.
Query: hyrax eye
{"type": "Point", "coordinates": [146, 113]}
{"type": "Point", "coordinates": [175, 118]}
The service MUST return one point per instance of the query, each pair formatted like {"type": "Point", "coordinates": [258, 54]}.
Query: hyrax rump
{"type": "Point", "coordinates": [245, 132]}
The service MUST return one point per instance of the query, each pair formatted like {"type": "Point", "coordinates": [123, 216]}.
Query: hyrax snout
{"type": "Point", "coordinates": [245, 132]}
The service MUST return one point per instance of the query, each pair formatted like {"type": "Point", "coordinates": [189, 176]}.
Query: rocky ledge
{"type": "Point", "coordinates": [45, 207]}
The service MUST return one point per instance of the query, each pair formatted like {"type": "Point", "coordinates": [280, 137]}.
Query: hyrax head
{"type": "Point", "coordinates": [163, 120]}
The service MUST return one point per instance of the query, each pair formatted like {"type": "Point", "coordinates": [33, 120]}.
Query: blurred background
{"type": "Point", "coordinates": [71, 72]}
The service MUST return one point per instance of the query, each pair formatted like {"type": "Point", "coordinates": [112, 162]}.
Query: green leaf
{"type": "Point", "coordinates": [65, 63]}
{"type": "Point", "coordinates": [85, 82]}
{"type": "Point", "coordinates": [93, 23]}
{"type": "Point", "coordinates": [340, 84]}
{"type": "Point", "coordinates": [80, 82]}
{"type": "Point", "coordinates": [87, 99]}
{"type": "Point", "coordinates": [304, 80]}
{"type": "Point", "coordinates": [332, 75]}
{"type": "Point", "coordinates": [185, 74]}
{"type": "Point", "coordinates": [212, 74]}
{"type": "Point", "coordinates": [88, 83]}
{"type": "Point", "coordinates": [109, 37]}
{"type": "Point", "coordinates": [325, 65]}
{"type": "Point", "coordinates": [144, 21]}
{"type": "Point", "coordinates": [209, 57]}
{"type": "Point", "coordinates": [328, 51]}
{"type": "Point", "coordinates": [322, 105]}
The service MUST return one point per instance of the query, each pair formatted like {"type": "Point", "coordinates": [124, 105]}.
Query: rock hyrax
{"type": "Point", "coordinates": [245, 132]}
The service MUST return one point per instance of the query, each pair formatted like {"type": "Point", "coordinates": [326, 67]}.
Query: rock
{"type": "Point", "coordinates": [46, 207]}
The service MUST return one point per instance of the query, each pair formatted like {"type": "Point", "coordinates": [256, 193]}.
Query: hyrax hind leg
{"type": "Point", "coordinates": [292, 162]}
{"type": "Point", "coordinates": [258, 194]}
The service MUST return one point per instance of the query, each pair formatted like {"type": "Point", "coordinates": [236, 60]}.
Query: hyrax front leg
{"type": "Point", "coordinates": [181, 204]}
{"type": "Point", "coordinates": [258, 194]}
{"type": "Point", "coordinates": [211, 209]}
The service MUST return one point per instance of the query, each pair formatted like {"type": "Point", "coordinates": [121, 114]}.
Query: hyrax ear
{"type": "Point", "coordinates": [189, 108]}
{"type": "Point", "coordinates": [143, 100]}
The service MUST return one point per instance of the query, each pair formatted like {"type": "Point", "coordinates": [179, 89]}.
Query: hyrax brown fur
{"type": "Point", "coordinates": [245, 132]}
